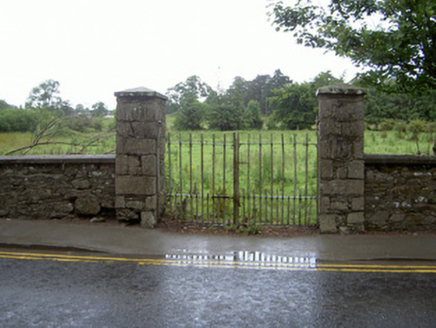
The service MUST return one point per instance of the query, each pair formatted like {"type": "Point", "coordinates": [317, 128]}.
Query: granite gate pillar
{"type": "Point", "coordinates": [140, 154]}
{"type": "Point", "coordinates": [340, 159]}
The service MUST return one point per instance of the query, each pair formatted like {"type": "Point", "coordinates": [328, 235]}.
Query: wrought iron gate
{"type": "Point", "coordinates": [250, 179]}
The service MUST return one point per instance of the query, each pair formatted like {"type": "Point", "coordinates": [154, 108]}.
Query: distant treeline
{"type": "Point", "coordinates": [277, 102]}
{"type": "Point", "coordinates": [45, 104]}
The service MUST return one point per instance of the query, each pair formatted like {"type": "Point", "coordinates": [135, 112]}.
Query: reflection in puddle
{"type": "Point", "coordinates": [242, 259]}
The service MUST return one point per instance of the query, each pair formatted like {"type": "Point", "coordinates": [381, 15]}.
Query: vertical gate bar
{"type": "Point", "coordinates": [260, 178]}
{"type": "Point", "coordinates": [254, 207]}
{"type": "Point", "coordinates": [218, 208]}
{"type": "Point", "coordinates": [207, 207]}
{"type": "Point", "coordinates": [289, 201]}
{"type": "Point", "coordinates": [283, 178]}
{"type": "Point", "coordinates": [190, 173]}
{"type": "Point", "coordinates": [224, 178]}
{"type": "Point", "coordinates": [277, 206]}
{"type": "Point", "coordinates": [176, 216]}
{"type": "Point", "coordinates": [196, 204]}
{"type": "Point", "coordinates": [272, 176]}
{"type": "Point", "coordinates": [310, 209]}
{"type": "Point", "coordinates": [180, 175]}
{"type": "Point", "coordinates": [202, 177]}
{"type": "Point", "coordinates": [169, 172]}
{"type": "Point", "coordinates": [266, 206]}
{"type": "Point", "coordinates": [299, 207]}
{"type": "Point", "coordinates": [213, 175]}
{"type": "Point", "coordinates": [236, 197]}
{"type": "Point", "coordinates": [307, 178]}
{"type": "Point", "coordinates": [243, 205]}
{"type": "Point", "coordinates": [295, 177]}
{"type": "Point", "coordinates": [248, 175]}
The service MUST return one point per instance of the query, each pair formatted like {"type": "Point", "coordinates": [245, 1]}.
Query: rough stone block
{"type": "Point", "coordinates": [325, 204]}
{"type": "Point", "coordinates": [330, 128]}
{"type": "Point", "coordinates": [326, 111]}
{"type": "Point", "coordinates": [136, 205]}
{"type": "Point", "coordinates": [342, 149]}
{"type": "Point", "coordinates": [328, 223]}
{"type": "Point", "coordinates": [87, 206]}
{"type": "Point", "coordinates": [358, 204]}
{"type": "Point", "coordinates": [355, 218]}
{"type": "Point", "coordinates": [127, 214]}
{"type": "Point", "coordinates": [150, 203]}
{"type": "Point", "coordinates": [339, 205]}
{"type": "Point", "coordinates": [397, 217]}
{"type": "Point", "coordinates": [430, 220]}
{"type": "Point", "coordinates": [132, 146]}
{"type": "Point", "coordinates": [81, 184]}
{"type": "Point", "coordinates": [148, 220]}
{"type": "Point", "coordinates": [352, 129]}
{"type": "Point", "coordinates": [378, 219]}
{"type": "Point", "coordinates": [137, 111]}
{"type": "Point", "coordinates": [61, 209]}
{"type": "Point", "coordinates": [125, 129]}
{"type": "Point", "coordinates": [145, 129]}
{"type": "Point", "coordinates": [349, 115]}
{"type": "Point", "coordinates": [356, 170]}
{"type": "Point", "coordinates": [413, 219]}
{"type": "Point", "coordinates": [341, 173]}
{"type": "Point", "coordinates": [127, 165]}
{"type": "Point", "coordinates": [135, 185]}
{"type": "Point", "coordinates": [325, 149]}
{"type": "Point", "coordinates": [149, 165]}
{"type": "Point", "coordinates": [358, 149]}
{"type": "Point", "coordinates": [326, 167]}
{"type": "Point", "coordinates": [345, 188]}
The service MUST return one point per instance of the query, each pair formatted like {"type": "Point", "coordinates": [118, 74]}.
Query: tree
{"type": "Point", "coordinates": [45, 96]}
{"type": "Point", "coordinates": [295, 106]}
{"type": "Point", "coordinates": [222, 116]}
{"type": "Point", "coordinates": [401, 47]}
{"type": "Point", "coordinates": [191, 114]}
{"type": "Point", "coordinates": [80, 109]}
{"type": "Point", "coordinates": [5, 105]}
{"type": "Point", "coordinates": [227, 111]}
{"type": "Point", "coordinates": [253, 117]}
{"type": "Point", "coordinates": [259, 90]}
{"type": "Point", "coordinates": [48, 120]}
{"type": "Point", "coordinates": [99, 109]}
{"type": "Point", "coordinates": [192, 88]}
{"type": "Point", "coordinates": [17, 120]}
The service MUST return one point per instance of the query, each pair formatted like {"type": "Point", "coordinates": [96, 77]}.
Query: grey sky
{"type": "Point", "coordinates": [96, 47]}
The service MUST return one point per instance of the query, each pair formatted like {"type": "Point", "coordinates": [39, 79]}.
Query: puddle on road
{"type": "Point", "coordinates": [242, 259]}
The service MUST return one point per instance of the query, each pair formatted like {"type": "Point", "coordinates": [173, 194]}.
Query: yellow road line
{"type": "Point", "coordinates": [322, 267]}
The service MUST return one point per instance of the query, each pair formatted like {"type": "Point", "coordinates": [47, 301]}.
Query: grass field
{"type": "Point", "coordinates": [374, 142]}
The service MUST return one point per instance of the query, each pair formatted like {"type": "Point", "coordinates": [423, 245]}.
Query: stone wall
{"type": "Point", "coordinates": [56, 187]}
{"type": "Point", "coordinates": [400, 193]}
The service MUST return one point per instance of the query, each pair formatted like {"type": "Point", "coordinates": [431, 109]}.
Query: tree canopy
{"type": "Point", "coordinates": [394, 39]}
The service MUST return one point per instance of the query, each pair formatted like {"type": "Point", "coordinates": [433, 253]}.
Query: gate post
{"type": "Point", "coordinates": [140, 154]}
{"type": "Point", "coordinates": [340, 159]}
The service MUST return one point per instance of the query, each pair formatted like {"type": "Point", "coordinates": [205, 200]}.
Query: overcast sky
{"type": "Point", "coordinates": [96, 47]}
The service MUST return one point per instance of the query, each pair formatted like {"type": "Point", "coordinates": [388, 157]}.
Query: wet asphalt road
{"type": "Point", "coordinates": [47, 292]}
